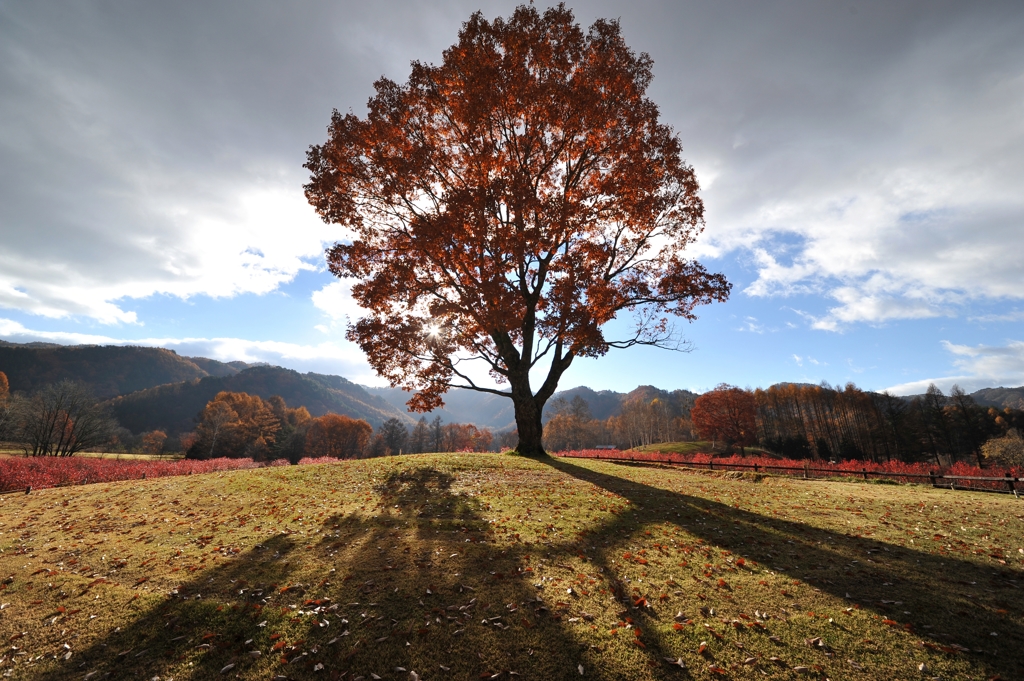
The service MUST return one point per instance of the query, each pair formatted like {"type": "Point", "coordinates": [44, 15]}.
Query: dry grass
{"type": "Point", "coordinates": [469, 566]}
{"type": "Point", "coordinates": [108, 455]}
{"type": "Point", "coordinates": [677, 447]}
{"type": "Point", "coordinates": [697, 447]}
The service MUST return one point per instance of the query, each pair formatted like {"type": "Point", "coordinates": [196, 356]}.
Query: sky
{"type": "Point", "coordinates": [861, 164]}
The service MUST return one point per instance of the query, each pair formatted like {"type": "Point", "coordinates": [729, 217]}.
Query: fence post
{"type": "Point", "coordinates": [755, 467]}
{"type": "Point", "coordinates": [931, 476]}
{"type": "Point", "coordinates": [807, 470]}
{"type": "Point", "coordinates": [28, 490]}
{"type": "Point", "coordinates": [1009, 483]}
{"type": "Point", "coordinates": [864, 471]}
{"type": "Point", "coordinates": [711, 465]}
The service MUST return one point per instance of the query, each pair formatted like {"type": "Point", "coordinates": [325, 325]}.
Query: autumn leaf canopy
{"type": "Point", "coordinates": [506, 204]}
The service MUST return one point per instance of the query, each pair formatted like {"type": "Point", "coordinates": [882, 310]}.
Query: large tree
{"type": "Point", "coordinates": [235, 425]}
{"type": "Point", "coordinates": [338, 436]}
{"type": "Point", "coordinates": [503, 206]}
{"type": "Point", "coordinates": [726, 413]}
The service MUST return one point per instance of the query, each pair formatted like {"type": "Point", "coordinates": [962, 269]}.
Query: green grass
{"type": "Point", "coordinates": [469, 566]}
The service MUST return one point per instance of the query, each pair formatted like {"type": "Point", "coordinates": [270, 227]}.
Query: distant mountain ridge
{"type": "Point", "coordinates": [1000, 397]}
{"type": "Point", "coordinates": [486, 410]}
{"type": "Point", "coordinates": [173, 407]}
{"type": "Point", "coordinates": [108, 370]}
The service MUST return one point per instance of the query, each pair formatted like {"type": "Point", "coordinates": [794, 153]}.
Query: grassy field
{"type": "Point", "coordinates": [488, 566]}
{"type": "Point", "coordinates": [108, 455]}
{"type": "Point", "coordinates": [677, 447]}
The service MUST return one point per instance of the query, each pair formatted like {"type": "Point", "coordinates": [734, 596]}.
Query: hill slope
{"type": "Point", "coordinates": [999, 397]}
{"type": "Point", "coordinates": [107, 370]}
{"type": "Point", "coordinates": [173, 407]}
{"type": "Point", "coordinates": [385, 567]}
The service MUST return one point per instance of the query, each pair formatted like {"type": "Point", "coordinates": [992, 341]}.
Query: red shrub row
{"type": "Point", "coordinates": [38, 472]}
{"type": "Point", "coordinates": [895, 470]}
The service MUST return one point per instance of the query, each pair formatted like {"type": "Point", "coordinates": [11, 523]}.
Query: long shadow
{"type": "Point", "coordinates": [412, 587]}
{"type": "Point", "coordinates": [913, 587]}
{"type": "Point", "coordinates": [386, 594]}
{"type": "Point", "coordinates": [206, 622]}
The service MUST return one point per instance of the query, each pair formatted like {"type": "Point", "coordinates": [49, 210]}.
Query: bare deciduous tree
{"type": "Point", "coordinates": [63, 419]}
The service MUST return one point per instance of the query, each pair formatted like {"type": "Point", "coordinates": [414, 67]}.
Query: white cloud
{"type": "Point", "coordinates": [335, 301]}
{"type": "Point", "coordinates": [251, 242]}
{"type": "Point", "coordinates": [130, 166]}
{"type": "Point", "coordinates": [860, 305]}
{"type": "Point", "coordinates": [979, 366]}
{"type": "Point", "coordinates": [1012, 316]}
{"type": "Point", "coordinates": [893, 191]}
{"type": "Point", "coordinates": [752, 325]}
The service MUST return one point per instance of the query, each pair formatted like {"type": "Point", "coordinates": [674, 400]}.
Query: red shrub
{"type": "Point", "coordinates": [39, 472]}
{"type": "Point", "coordinates": [896, 470]}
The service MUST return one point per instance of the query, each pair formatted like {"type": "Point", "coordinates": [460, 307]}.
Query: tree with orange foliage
{"type": "Point", "coordinates": [507, 204]}
{"type": "Point", "coordinates": [338, 436]}
{"type": "Point", "coordinates": [726, 413]}
{"type": "Point", "coordinates": [235, 425]}
{"type": "Point", "coordinates": [153, 441]}
{"type": "Point", "coordinates": [5, 387]}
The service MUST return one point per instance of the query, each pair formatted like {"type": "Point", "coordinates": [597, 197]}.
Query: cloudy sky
{"type": "Point", "coordinates": [862, 165]}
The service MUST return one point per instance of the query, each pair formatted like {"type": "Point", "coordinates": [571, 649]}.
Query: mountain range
{"type": "Point", "coordinates": [486, 410]}
{"type": "Point", "coordinates": [155, 388]}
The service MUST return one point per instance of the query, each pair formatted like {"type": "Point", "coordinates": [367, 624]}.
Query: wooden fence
{"type": "Point", "coordinates": [20, 490]}
{"type": "Point", "coordinates": [1007, 484]}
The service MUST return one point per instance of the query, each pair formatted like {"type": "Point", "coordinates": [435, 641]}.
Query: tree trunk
{"type": "Point", "coordinates": [528, 423]}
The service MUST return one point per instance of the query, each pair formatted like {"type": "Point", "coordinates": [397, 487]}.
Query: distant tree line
{"type": "Point", "coordinates": [241, 425]}
{"type": "Point", "coordinates": [642, 420]}
{"type": "Point", "coordinates": [63, 419]}
{"type": "Point", "coordinates": [806, 422]}
{"type": "Point", "coordinates": [797, 421]}
{"type": "Point", "coordinates": [828, 422]}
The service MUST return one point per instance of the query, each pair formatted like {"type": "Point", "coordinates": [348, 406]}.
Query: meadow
{"type": "Point", "coordinates": [472, 566]}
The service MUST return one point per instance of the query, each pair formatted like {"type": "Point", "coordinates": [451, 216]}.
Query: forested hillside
{"type": "Point", "coordinates": [1000, 398]}
{"type": "Point", "coordinates": [107, 370]}
{"type": "Point", "coordinates": [173, 408]}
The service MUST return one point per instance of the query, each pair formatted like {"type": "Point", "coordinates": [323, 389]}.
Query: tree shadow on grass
{"type": "Point", "coordinates": [414, 588]}
{"type": "Point", "coordinates": [921, 592]}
